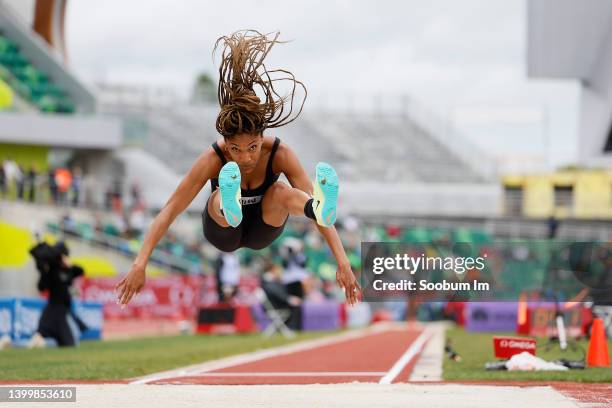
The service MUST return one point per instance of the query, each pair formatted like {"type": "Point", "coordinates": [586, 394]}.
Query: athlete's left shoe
{"type": "Point", "coordinates": [229, 186]}
{"type": "Point", "coordinates": [325, 194]}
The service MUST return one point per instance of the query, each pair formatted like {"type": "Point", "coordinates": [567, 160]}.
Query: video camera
{"type": "Point", "coordinates": [48, 260]}
{"type": "Point", "coordinates": [48, 256]}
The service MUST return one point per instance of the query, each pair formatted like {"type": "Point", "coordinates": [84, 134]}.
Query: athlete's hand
{"type": "Point", "coordinates": [346, 280]}
{"type": "Point", "coordinates": [131, 284]}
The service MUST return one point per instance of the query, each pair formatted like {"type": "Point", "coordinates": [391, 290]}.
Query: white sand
{"type": "Point", "coordinates": [353, 395]}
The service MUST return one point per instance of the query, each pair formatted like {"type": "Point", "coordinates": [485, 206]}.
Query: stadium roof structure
{"type": "Point", "coordinates": [569, 39]}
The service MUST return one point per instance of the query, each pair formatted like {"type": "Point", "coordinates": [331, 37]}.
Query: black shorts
{"type": "Point", "coordinates": [252, 232]}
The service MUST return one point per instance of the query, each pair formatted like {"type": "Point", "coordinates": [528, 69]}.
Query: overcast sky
{"type": "Point", "coordinates": [463, 58]}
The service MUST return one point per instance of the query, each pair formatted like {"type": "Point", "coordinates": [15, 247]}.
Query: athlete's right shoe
{"type": "Point", "coordinates": [229, 187]}
{"type": "Point", "coordinates": [325, 195]}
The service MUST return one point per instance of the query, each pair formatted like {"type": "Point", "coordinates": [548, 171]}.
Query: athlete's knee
{"type": "Point", "coordinates": [274, 205]}
{"type": "Point", "coordinates": [279, 190]}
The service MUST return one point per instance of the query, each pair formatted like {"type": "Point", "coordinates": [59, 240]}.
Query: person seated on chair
{"type": "Point", "coordinates": [227, 274]}
{"type": "Point", "coordinates": [278, 295]}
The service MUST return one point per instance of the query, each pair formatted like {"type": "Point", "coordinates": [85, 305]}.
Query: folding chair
{"type": "Point", "coordinates": [277, 317]}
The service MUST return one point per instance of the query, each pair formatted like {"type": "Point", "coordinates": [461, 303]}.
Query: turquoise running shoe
{"type": "Point", "coordinates": [229, 186]}
{"type": "Point", "coordinates": [325, 194]}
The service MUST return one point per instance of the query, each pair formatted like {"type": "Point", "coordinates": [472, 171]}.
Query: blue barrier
{"type": "Point", "coordinates": [19, 317]}
{"type": "Point", "coordinates": [7, 312]}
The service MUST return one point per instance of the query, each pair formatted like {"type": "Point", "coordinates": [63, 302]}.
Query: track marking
{"type": "Point", "coordinates": [428, 367]}
{"type": "Point", "coordinates": [198, 369]}
{"type": "Point", "coordinates": [415, 347]}
{"type": "Point", "coordinates": [299, 374]}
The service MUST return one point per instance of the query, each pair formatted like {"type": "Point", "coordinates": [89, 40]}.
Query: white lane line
{"type": "Point", "coordinates": [197, 369]}
{"type": "Point", "coordinates": [429, 365]}
{"type": "Point", "coordinates": [299, 374]}
{"type": "Point", "coordinates": [415, 347]}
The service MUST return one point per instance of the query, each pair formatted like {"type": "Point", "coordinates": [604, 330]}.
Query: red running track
{"type": "Point", "coordinates": [363, 359]}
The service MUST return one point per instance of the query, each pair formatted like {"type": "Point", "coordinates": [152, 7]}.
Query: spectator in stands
{"type": "Point", "coordinates": [12, 173]}
{"type": "Point", "coordinates": [92, 194]}
{"type": "Point", "coordinates": [68, 224]}
{"type": "Point", "coordinates": [136, 221]}
{"type": "Point", "coordinates": [31, 180]}
{"type": "Point", "coordinates": [52, 186]}
{"type": "Point", "coordinates": [553, 226]}
{"type": "Point", "coordinates": [118, 224]}
{"type": "Point", "coordinates": [116, 198]}
{"type": "Point", "coordinates": [108, 198]}
{"type": "Point", "coordinates": [77, 179]}
{"type": "Point", "coordinates": [98, 224]}
{"type": "Point", "coordinates": [249, 207]}
{"type": "Point", "coordinates": [136, 196]}
{"type": "Point", "coordinates": [2, 181]}
{"type": "Point", "coordinates": [20, 182]}
{"type": "Point", "coordinates": [63, 180]}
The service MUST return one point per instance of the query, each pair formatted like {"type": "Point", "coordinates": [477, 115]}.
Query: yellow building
{"type": "Point", "coordinates": [576, 193]}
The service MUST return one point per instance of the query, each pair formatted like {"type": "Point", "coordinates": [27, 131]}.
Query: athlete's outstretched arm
{"type": "Point", "coordinates": [289, 164]}
{"type": "Point", "coordinates": [205, 167]}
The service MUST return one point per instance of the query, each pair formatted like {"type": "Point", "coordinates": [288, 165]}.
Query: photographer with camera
{"type": "Point", "coordinates": [56, 275]}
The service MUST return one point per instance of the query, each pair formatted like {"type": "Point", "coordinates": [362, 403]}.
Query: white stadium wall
{"type": "Point", "coordinates": [70, 131]}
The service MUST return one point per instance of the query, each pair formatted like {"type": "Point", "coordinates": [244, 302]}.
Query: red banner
{"type": "Point", "coordinates": [169, 297]}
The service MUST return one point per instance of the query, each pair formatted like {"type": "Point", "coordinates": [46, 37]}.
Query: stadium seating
{"type": "Point", "coordinates": [29, 82]}
{"type": "Point", "coordinates": [364, 147]}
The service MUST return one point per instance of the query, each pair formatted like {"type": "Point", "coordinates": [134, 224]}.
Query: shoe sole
{"type": "Point", "coordinates": [326, 192]}
{"type": "Point", "coordinates": [229, 186]}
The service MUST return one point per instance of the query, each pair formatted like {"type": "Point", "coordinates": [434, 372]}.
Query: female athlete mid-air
{"type": "Point", "coordinates": [248, 206]}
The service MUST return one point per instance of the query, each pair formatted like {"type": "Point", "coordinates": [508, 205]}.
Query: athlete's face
{"type": "Point", "coordinates": [245, 150]}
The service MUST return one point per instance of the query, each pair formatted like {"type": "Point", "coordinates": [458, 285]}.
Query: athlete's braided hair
{"type": "Point", "coordinates": [242, 72]}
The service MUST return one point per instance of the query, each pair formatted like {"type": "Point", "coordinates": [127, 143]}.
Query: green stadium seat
{"type": "Point", "coordinates": [31, 75]}
{"type": "Point", "coordinates": [47, 103]}
{"type": "Point", "coordinates": [66, 106]}
{"type": "Point", "coordinates": [7, 46]}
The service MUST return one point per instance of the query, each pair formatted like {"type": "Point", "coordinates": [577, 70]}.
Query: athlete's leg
{"type": "Point", "coordinates": [280, 201]}
{"type": "Point", "coordinates": [214, 209]}
{"type": "Point", "coordinates": [215, 228]}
